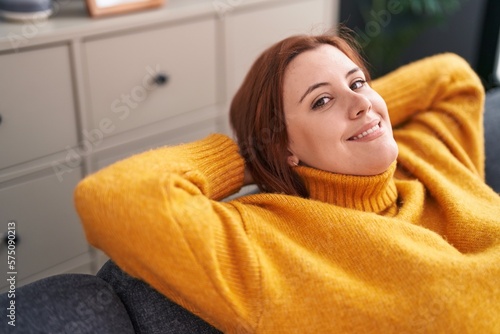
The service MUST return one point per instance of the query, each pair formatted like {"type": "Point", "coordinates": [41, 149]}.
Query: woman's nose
{"type": "Point", "coordinates": [359, 105]}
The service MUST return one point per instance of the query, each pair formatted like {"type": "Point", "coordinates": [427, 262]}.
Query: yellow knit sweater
{"type": "Point", "coordinates": [413, 250]}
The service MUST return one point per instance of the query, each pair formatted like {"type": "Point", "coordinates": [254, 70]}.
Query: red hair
{"type": "Point", "coordinates": [257, 115]}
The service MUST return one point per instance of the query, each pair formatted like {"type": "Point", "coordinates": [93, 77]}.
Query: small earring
{"type": "Point", "coordinates": [292, 162]}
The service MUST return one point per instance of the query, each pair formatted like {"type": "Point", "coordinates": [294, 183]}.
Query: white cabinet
{"type": "Point", "coordinates": [77, 94]}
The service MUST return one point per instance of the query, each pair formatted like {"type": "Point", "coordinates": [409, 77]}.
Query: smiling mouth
{"type": "Point", "coordinates": [371, 130]}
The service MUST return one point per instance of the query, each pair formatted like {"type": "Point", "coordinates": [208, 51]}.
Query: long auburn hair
{"type": "Point", "coordinates": [257, 116]}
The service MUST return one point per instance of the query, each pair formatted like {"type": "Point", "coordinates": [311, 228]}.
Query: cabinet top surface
{"type": "Point", "coordinates": [71, 21]}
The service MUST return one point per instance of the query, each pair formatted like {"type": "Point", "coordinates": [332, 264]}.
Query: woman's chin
{"type": "Point", "coordinates": [381, 165]}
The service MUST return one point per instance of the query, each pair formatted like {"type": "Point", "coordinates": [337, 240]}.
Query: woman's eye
{"type": "Point", "coordinates": [321, 102]}
{"type": "Point", "coordinates": [358, 84]}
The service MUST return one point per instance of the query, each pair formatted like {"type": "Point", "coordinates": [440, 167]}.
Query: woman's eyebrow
{"type": "Point", "coordinates": [313, 87]}
{"type": "Point", "coordinates": [320, 84]}
{"type": "Point", "coordinates": [354, 70]}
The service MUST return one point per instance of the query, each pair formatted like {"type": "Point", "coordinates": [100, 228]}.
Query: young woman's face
{"type": "Point", "coordinates": [335, 121]}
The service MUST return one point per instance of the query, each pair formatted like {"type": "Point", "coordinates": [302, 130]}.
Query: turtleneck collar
{"type": "Point", "coordinates": [376, 193]}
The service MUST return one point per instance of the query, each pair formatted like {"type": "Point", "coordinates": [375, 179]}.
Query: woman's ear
{"type": "Point", "coordinates": [292, 160]}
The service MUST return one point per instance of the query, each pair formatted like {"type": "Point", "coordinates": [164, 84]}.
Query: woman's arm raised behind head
{"type": "Point", "coordinates": [441, 96]}
{"type": "Point", "coordinates": [157, 216]}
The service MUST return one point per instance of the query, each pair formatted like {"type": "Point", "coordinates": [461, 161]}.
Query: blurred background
{"type": "Point", "coordinates": [395, 32]}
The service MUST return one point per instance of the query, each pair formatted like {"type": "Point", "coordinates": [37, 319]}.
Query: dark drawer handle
{"type": "Point", "coordinates": [0, 118]}
{"type": "Point", "coordinates": [161, 79]}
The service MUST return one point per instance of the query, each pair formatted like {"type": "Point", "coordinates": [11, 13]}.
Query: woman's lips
{"type": "Point", "coordinates": [368, 134]}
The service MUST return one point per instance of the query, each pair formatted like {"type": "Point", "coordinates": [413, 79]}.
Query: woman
{"type": "Point", "coordinates": [343, 238]}
{"type": "Point", "coordinates": [351, 233]}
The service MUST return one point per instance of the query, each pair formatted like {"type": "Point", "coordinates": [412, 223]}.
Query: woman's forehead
{"type": "Point", "coordinates": [325, 63]}
{"type": "Point", "coordinates": [318, 58]}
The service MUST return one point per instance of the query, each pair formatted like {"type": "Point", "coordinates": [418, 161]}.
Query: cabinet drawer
{"type": "Point", "coordinates": [36, 104]}
{"type": "Point", "coordinates": [121, 68]}
{"type": "Point", "coordinates": [46, 224]}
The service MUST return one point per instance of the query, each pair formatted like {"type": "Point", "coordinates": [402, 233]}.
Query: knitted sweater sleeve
{"type": "Point", "coordinates": [439, 96]}
{"type": "Point", "coordinates": [157, 216]}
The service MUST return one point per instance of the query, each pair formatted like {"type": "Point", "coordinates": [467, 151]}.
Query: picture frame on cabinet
{"type": "Point", "coordinates": [97, 8]}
